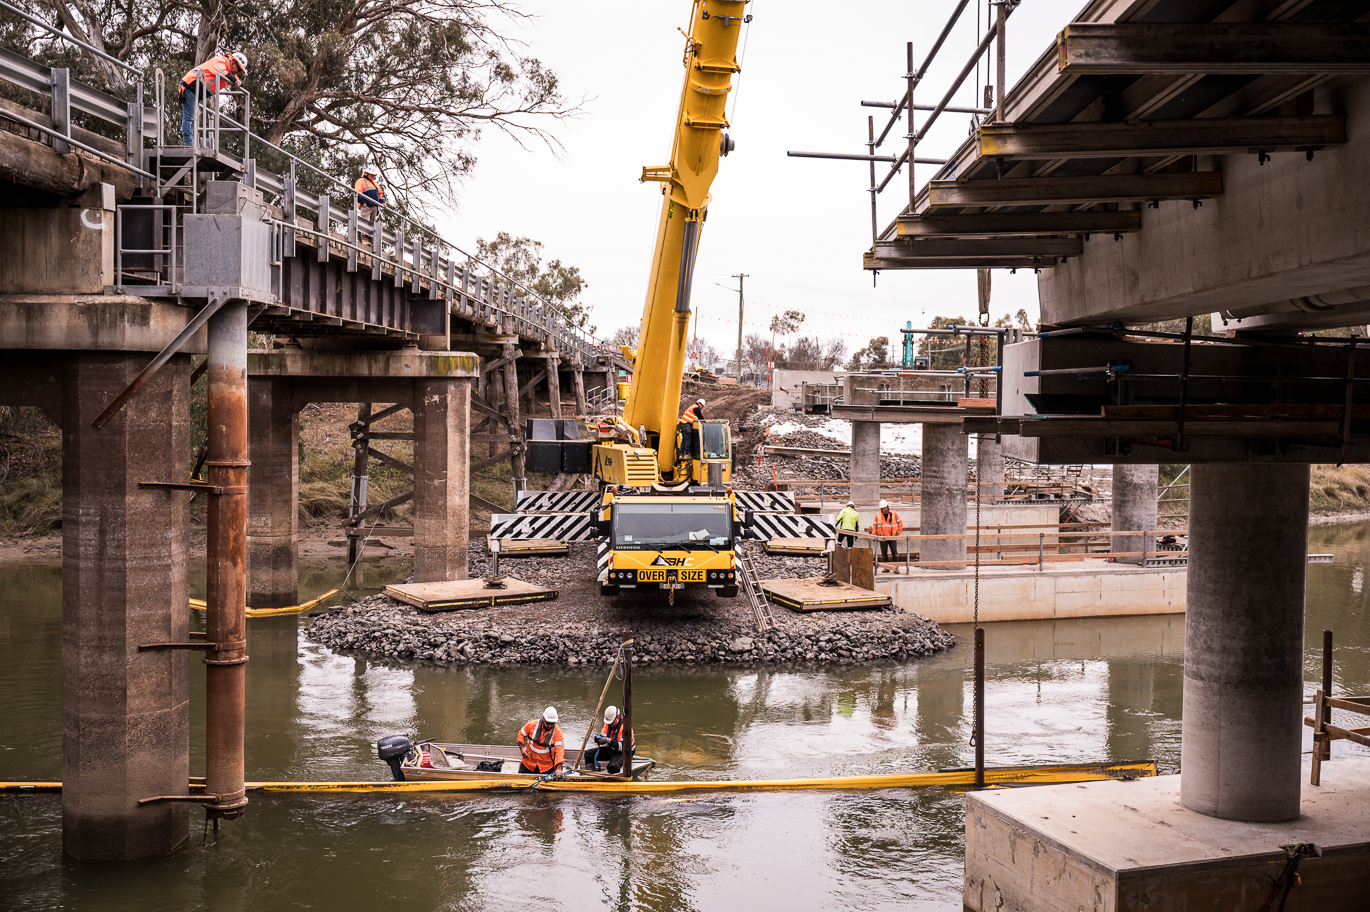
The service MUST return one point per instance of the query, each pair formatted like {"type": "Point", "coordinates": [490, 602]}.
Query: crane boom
{"type": "Point", "coordinates": [710, 61]}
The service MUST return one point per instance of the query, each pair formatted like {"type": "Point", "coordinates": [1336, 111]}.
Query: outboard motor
{"type": "Point", "coordinates": [393, 749]}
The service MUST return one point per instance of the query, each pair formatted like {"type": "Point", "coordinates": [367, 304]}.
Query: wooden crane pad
{"type": "Point", "coordinates": [469, 593]}
{"type": "Point", "coordinates": [804, 547]}
{"type": "Point", "coordinates": [532, 547]}
{"type": "Point", "coordinates": [808, 595]}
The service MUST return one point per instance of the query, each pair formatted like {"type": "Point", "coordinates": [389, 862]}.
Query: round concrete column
{"type": "Point", "coordinates": [1134, 507]}
{"type": "Point", "coordinates": [865, 462]}
{"type": "Point", "coordinates": [943, 510]}
{"type": "Point", "coordinates": [989, 458]}
{"type": "Point", "coordinates": [1243, 650]}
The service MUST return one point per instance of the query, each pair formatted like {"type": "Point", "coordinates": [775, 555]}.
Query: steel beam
{"type": "Point", "coordinates": [870, 261]}
{"type": "Point", "coordinates": [1247, 48]}
{"type": "Point", "coordinates": [944, 248]}
{"type": "Point", "coordinates": [1214, 136]}
{"type": "Point", "coordinates": [1021, 224]}
{"type": "Point", "coordinates": [1046, 191]}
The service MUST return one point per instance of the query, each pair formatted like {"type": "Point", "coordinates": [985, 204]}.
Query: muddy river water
{"type": "Point", "coordinates": [1057, 692]}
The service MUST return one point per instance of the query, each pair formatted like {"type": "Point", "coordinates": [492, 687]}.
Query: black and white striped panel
{"type": "Point", "coordinates": [766, 501]}
{"type": "Point", "coordinates": [602, 560]}
{"type": "Point", "coordinates": [564, 527]}
{"type": "Point", "coordinates": [765, 526]}
{"type": "Point", "coordinates": [557, 501]}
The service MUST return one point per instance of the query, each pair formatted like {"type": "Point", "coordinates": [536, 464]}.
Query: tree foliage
{"type": "Point", "coordinates": [520, 259]}
{"type": "Point", "coordinates": [813, 353]}
{"type": "Point", "coordinates": [407, 83]}
{"type": "Point", "coordinates": [874, 356]}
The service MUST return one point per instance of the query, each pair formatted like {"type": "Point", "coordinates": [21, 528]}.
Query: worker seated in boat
{"type": "Point", "coordinates": [609, 742]}
{"type": "Point", "coordinates": [541, 743]}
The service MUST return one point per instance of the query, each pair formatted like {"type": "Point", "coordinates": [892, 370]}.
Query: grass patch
{"type": "Point", "coordinates": [1339, 489]}
{"type": "Point", "coordinates": [30, 472]}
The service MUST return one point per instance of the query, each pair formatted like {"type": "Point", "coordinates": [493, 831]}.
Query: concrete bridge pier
{"type": "Point", "coordinates": [125, 710]}
{"type": "Point", "coordinates": [865, 462]}
{"type": "Point", "coordinates": [273, 528]}
{"type": "Point", "coordinates": [943, 511]}
{"type": "Point", "coordinates": [435, 386]}
{"type": "Point", "coordinates": [989, 459]}
{"type": "Point", "coordinates": [1243, 665]}
{"type": "Point", "coordinates": [1134, 508]}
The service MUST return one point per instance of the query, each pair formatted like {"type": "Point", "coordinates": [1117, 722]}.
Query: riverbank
{"type": "Point", "coordinates": [582, 628]}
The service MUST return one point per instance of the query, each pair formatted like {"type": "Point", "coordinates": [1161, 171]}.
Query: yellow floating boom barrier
{"type": "Point", "coordinates": [953, 778]}
{"type": "Point", "coordinates": [199, 605]}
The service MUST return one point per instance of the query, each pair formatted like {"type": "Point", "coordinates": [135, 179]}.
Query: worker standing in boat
{"type": "Point", "coordinates": [610, 744]}
{"type": "Point", "coordinates": [542, 745]}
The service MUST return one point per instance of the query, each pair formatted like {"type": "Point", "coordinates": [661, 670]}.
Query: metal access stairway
{"type": "Point", "coordinates": [756, 596]}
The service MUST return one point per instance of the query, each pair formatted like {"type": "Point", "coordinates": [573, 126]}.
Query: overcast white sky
{"type": "Point", "coordinates": [797, 227]}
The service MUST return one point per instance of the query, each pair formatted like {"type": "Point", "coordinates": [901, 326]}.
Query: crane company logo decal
{"type": "Point", "coordinates": [664, 561]}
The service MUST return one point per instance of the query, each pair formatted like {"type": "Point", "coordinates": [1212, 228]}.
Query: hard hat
{"type": "Point", "coordinates": [550, 715]}
{"type": "Point", "coordinates": [371, 169]}
{"type": "Point", "coordinates": [610, 715]}
{"type": "Point", "coordinates": [851, 503]}
{"type": "Point", "coordinates": [700, 401]}
{"type": "Point", "coordinates": [884, 504]}
{"type": "Point", "coordinates": [242, 61]}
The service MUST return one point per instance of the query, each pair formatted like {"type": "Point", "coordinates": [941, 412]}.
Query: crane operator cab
{"type": "Point", "coordinates": [708, 445]}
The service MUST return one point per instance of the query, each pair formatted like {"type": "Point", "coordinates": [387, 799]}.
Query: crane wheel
{"type": "Point", "coordinates": [728, 592]}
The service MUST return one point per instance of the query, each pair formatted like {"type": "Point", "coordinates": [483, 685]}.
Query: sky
{"type": "Point", "coordinates": [795, 227]}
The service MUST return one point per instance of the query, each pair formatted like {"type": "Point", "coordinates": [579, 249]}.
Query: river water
{"type": "Point", "coordinates": [1057, 692]}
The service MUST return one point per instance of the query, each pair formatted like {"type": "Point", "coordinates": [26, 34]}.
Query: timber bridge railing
{"type": "Point", "coordinates": [336, 273]}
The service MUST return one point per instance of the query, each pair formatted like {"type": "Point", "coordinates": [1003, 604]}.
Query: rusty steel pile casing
{"type": "Point", "coordinates": [226, 564]}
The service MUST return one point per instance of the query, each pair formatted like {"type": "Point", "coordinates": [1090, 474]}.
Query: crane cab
{"type": "Point", "coordinates": [709, 443]}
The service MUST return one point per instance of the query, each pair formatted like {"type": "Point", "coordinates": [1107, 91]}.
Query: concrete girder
{"type": "Point", "coordinates": [1105, 49]}
{"type": "Point", "coordinates": [1207, 136]}
{"type": "Point", "coordinates": [1018, 224]}
{"type": "Point", "coordinates": [978, 248]}
{"type": "Point", "coordinates": [1088, 190]}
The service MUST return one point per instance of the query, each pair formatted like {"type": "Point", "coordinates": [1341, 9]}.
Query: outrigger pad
{"type": "Point", "coordinates": [454, 595]}
{"type": "Point", "coordinates": [807, 595]}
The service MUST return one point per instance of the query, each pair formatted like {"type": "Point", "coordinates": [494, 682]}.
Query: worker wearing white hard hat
{"type": "Point", "coordinates": [886, 525]}
{"type": "Point", "coordinates": [692, 415]}
{"type": "Point", "coordinates": [609, 747]}
{"type": "Point", "coordinates": [209, 78]}
{"type": "Point", "coordinates": [542, 745]}
{"type": "Point", "coordinates": [370, 194]}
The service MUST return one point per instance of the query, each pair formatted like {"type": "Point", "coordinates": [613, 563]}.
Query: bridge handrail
{"type": "Point", "coordinates": [531, 308]}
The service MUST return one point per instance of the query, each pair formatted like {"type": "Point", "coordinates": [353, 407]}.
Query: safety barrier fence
{"type": "Point", "coordinates": [1038, 554]}
{"type": "Point", "coordinates": [824, 491]}
{"type": "Point", "coordinates": [414, 253]}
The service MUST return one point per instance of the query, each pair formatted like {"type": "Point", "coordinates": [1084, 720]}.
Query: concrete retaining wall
{"type": "Point", "coordinates": [1090, 589]}
{"type": "Point", "coordinates": [786, 385]}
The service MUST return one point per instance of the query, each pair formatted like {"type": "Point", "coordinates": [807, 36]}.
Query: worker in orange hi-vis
{"type": "Point", "coordinates": [887, 522]}
{"type": "Point", "coordinates": [542, 745]}
{"type": "Point", "coordinates": [211, 77]}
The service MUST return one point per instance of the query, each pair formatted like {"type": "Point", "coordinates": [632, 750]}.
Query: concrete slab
{"type": "Point", "coordinates": [810, 595]}
{"type": "Point", "coordinates": [1122, 846]}
{"type": "Point", "coordinates": [1079, 589]}
{"type": "Point", "coordinates": [470, 593]}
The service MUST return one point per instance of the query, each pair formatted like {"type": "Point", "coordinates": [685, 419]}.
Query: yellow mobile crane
{"type": "Point", "coordinates": [668, 518]}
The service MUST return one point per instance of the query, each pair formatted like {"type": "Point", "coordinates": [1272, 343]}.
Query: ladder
{"type": "Point", "coordinates": [756, 596]}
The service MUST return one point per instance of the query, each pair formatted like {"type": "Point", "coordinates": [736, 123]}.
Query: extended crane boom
{"type": "Point", "coordinates": [700, 139]}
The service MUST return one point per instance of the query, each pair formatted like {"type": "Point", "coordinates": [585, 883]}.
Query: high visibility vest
{"type": "Point", "coordinates": [892, 526]}
{"type": "Point", "coordinates": [543, 748]}
{"type": "Point", "coordinates": [848, 519]}
{"type": "Point", "coordinates": [612, 731]}
{"type": "Point", "coordinates": [215, 71]}
{"type": "Point", "coordinates": [691, 415]}
{"type": "Point", "coordinates": [364, 184]}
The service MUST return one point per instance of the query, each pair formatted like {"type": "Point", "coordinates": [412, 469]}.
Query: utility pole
{"type": "Point", "coordinates": [739, 278]}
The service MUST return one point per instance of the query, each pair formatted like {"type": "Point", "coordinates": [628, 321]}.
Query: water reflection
{"type": "Point", "coordinates": [1057, 691]}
